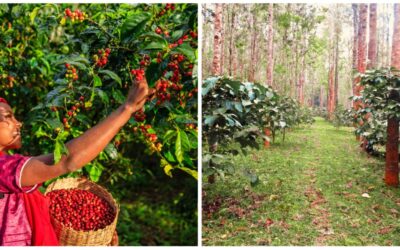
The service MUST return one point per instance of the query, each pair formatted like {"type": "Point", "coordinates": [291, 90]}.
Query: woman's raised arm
{"type": "Point", "coordinates": [86, 147]}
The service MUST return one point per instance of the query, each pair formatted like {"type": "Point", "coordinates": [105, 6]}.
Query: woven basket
{"type": "Point", "coordinates": [70, 237]}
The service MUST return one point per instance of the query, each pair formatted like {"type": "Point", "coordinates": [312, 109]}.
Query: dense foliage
{"type": "Point", "coordinates": [380, 86]}
{"type": "Point", "coordinates": [65, 67]}
{"type": "Point", "coordinates": [237, 112]}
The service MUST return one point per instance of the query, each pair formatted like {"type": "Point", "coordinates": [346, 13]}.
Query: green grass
{"type": "Point", "coordinates": [310, 193]}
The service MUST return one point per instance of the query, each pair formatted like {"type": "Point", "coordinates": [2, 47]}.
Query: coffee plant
{"type": "Point", "coordinates": [77, 65]}
{"type": "Point", "coordinates": [65, 67]}
{"type": "Point", "coordinates": [371, 119]}
{"type": "Point", "coordinates": [237, 112]}
{"type": "Point", "coordinates": [342, 117]}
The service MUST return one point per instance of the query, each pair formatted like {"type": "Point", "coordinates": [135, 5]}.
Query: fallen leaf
{"type": "Point", "coordinates": [365, 195]}
{"type": "Point", "coordinates": [238, 229]}
{"type": "Point", "coordinates": [394, 211]}
{"type": "Point", "coordinates": [375, 207]}
{"type": "Point", "coordinates": [273, 197]}
{"type": "Point", "coordinates": [224, 236]}
{"type": "Point", "coordinates": [298, 217]}
{"type": "Point", "coordinates": [349, 185]}
{"type": "Point", "coordinates": [326, 231]}
{"type": "Point", "coordinates": [268, 222]}
{"type": "Point", "coordinates": [385, 230]}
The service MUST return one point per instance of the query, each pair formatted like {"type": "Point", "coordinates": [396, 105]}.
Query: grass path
{"type": "Point", "coordinates": [316, 188]}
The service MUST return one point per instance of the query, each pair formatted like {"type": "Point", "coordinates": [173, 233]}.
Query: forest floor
{"type": "Point", "coordinates": [316, 188]}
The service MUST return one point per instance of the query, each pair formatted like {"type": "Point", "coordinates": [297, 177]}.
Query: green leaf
{"type": "Point", "coordinates": [184, 140]}
{"type": "Point", "coordinates": [112, 75]}
{"type": "Point", "coordinates": [167, 169]}
{"type": "Point", "coordinates": [54, 123]}
{"type": "Point", "coordinates": [169, 156]}
{"type": "Point", "coordinates": [192, 172]}
{"type": "Point", "coordinates": [103, 96]}
{"type": "Point", "coordinates": [97, 81]}
{"type": "Point", "coordinates": [210, 120]}
{"type": "Point", "coordinates": [111, 151]}
{"type": "Point", "coordinates": [169, 135]}
{"type": "Point", "coordinates": [118, 96]}
{"type": "Point", "coordinates": [188, 51]}
{"type": "Point", "coordinates": [176, 35]}
{"type": "Point", "coordinates": [158, 45]}
{"type": "Point", "coordinates": [59, 150]}
{"type": "Point", "coordinates": [95, 169]}
{"type": "Point", "coordinates": [133, 25]}
{"type": "Point", "coordinates": [33, 14]}
{"type": "Point", "coordinates": [153, 73]}
{"type": "Point", "coordinates": [178, 148]}
{"type": "Point", "coordinates": [40, 132]}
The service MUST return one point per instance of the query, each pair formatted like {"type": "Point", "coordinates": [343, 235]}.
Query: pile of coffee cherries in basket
{"type": "Point", "coordinates": [80, 209]}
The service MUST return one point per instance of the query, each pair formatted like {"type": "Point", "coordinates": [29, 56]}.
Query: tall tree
{"type": "Point", "coordinates": [253, 44]}
{"type": "Point", "coordinates": [216, 70]}
{"type": "Point", "coordinates": [355, 43]}
{"type": "Point", "coordinates": [392, 145]}
{"type": "Point", "coordinates": [222, 40]}
{"type": "Point", "coordinates": [372, 44]}
{"type": "Point", "coordinates": [270, 67]}
{"type": "Point", "coordinates": [231, 19]}
{"type": "Point", "coordinates": [361, 51]}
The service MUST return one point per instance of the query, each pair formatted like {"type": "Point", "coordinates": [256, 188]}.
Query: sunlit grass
{"type": "Point", "coordinates": [316, 160]}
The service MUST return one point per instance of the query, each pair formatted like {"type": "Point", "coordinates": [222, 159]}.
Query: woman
{"type": "Point", "coordinates": [21, 175]}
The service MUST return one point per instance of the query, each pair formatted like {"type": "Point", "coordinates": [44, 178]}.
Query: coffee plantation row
{"type": "Point", "coordinates": [242, 113]}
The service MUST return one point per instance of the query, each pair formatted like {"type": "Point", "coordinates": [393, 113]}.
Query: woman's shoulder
{"type": "Point", "coordinates": [10, 162]}
{"type": "Point", "coordinates": [11, 167]}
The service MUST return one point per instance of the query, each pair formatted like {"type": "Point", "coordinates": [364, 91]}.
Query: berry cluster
{"type": "Point", "coordinates": [168, 6]}
{"type": "Point", "coordinates": [71, 72]}
{"type": "Point", "coordinates": [158, 30]}
{"type": "Point", "coordinates": [139, 115]}
{"type": "Point", "coordinates": [70, 113]}
{"type": "Point", "coordinates": [159, 57]}
{"type": "Point", "coordinates": [191, 126]}
{"type": "Point", "coordinates": [80, 209]}
{"type": "Point", "coordinates": [102, 58]}
{"type": "Point", "coordinates": [145, 61]}
{"type": "Point", "coordinates": [162, 94]}
{"type": "Point", "coordinates": [77, 15]}
{"type": "Point", "coordinates": [138, 73]}
{"type": "Point", "coordinates": [150, 137]}
{"type": "Point", "coordinates": [193, 34]}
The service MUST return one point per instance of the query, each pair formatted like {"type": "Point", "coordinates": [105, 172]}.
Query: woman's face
{"type": "Point", "coordinates": [10, 137]}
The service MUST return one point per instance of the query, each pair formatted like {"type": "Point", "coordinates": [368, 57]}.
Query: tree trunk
{"type": "Point", "coordinates": [335, 102]}
{"type": "Point", "coordinates": [301, 81]}
{"type": "Point", "coordinates": [252, 65]}
{"type": "Point", "coordinates": [216, 70]}
{"type": "Point", "coordinates": [355, 44]}
{"type": "Point", "coordinates": [331, 91]}
{"type": "Point", "coordinates": [321, 98]}
{"type": "Point", "coordinates": [361, 53]}
{"type": "Point", "coordinates": [270, 67]}
{"type": "Point", "coordinates": [372, 49]}
{"type": "Point", "coordinates": [392, 145]}
{"type": "Point", "coordinates": [222, 40]}
{"type": "Point", "coordinates": [372, 44]}
{"type": "Point", "coordinates": [231, 14]}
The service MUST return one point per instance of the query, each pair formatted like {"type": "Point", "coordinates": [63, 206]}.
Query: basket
{"type": "Point", "coordinates": [70, 237]}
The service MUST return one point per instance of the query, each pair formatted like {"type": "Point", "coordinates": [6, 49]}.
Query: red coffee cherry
{"type": "Point", "coordinates": [80, 209]}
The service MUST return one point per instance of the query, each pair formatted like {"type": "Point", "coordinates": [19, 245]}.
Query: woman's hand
{"type": "Point", "coordinates": [138, 95]}
{"type": "Point", "coordinates": [86, 147]}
